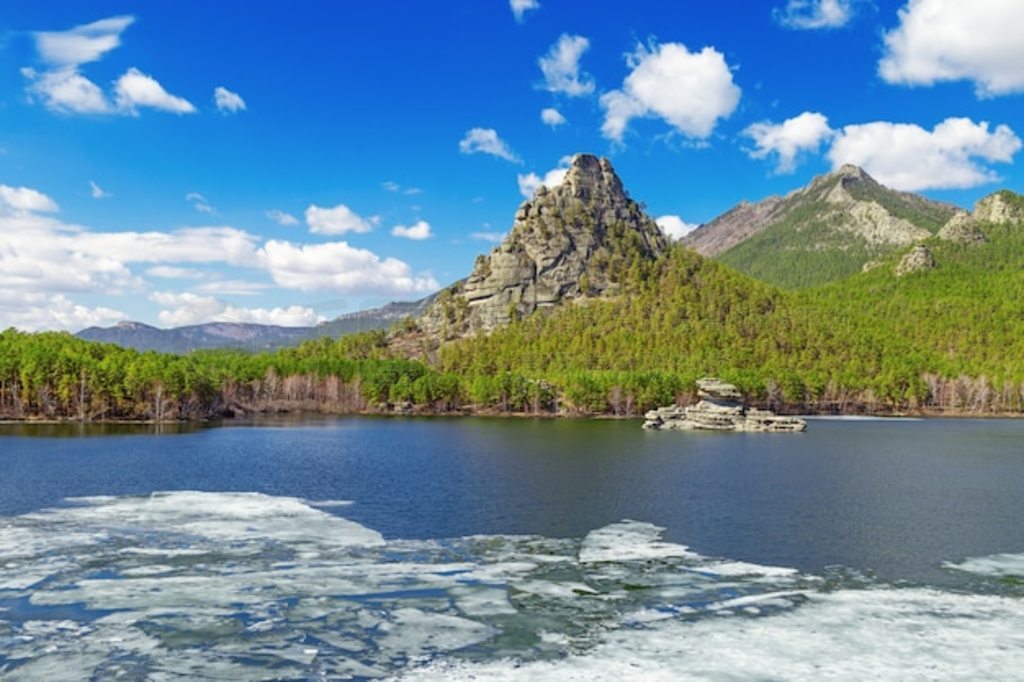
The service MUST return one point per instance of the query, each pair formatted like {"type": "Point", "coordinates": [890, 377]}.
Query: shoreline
{"type": "Point", "coordinates": [490, 414]}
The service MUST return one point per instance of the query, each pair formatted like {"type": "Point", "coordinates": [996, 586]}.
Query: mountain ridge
{"type": "Point", "coordinates": [826, 230]}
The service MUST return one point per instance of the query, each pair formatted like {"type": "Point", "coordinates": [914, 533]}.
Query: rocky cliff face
{"type": "Point", "coordinates": [962, 228]}
{"type": "Point", "coordinates": [572, 241]}
{"type": "Point", "coordinates": [1001, 208]}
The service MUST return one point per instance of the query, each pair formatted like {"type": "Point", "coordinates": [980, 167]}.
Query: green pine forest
{"type": "Point", "coordinates": [947, 340]}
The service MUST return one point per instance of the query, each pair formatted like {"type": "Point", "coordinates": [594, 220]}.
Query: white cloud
{"type": "Point", "coordinates": [340, 268]}
{"type": "Point", "coordinates": [44, 260]}
{"type": "Point", "coordinates": [67, 91]}
{"type": "Point", "coordinates": [200, 203]}
{"type": "Point", "coordinates": [486, 141]}
{"type": "Point", "coordinates": [786, 140]}
{"type": "Point", "coordinates": [337, 220]}
{"type": "Point", "coordinates": [227, 101]}
{"type": "Point", "coordinates": [187, 245]}
{"type": "Point", "coordinates": [561, 67]}
{"type": "Point", "coordinates": [173, 272]}
{"type": "Point", "coordinates": [25, 199]}
{"type": "Point", "coordinates": [185, 309]}
{"type": "Point", "coordinates": [81, 44]}
{"type": "Point", "coordinates": [493, 237]}
{"type": "Point", "coordinates": [97, 192]}
{"type": "Point", "coordinates": [232, 287]}
{"type": "Point", "coordinates": [944, 40]}
{"type": "Point", "coordinates": [529, 183]}
{"type": "Point", "coordinates": [417, 231]}
{"type": "Point", "coordinates": [908, 157]}
{"type": "Point", "coordinates": [552, 117]}
{"type": "Point", "coordinates": [282, 218]}
{"type": "Point", "coordinates": [674, 227]}
{"type": "Point", "coordinates": [689, 90]}
{"type": "Point", "coordinates": [521, 7]}
{"type": "Point", "coordinates": [63, 88]}
{"type": "Point", "coordinates": [815, 14]}
{"type": "Point", "coordinates": [135, 89]}
{"type": "Point", "coordinates": [30, 312]}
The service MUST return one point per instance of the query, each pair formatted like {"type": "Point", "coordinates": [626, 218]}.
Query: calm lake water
{"type": "Point", "coordinates": [487, 548]}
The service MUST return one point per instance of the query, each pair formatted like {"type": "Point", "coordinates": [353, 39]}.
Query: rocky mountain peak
{"type": "Point", "coordinates": [962, 228]}
{"type": "Point", "coordinates": [1000, 208]}
{"type": "Point", "coordinates": [574, 240]}
{"type": "Point", "coordinates": [850, 171]}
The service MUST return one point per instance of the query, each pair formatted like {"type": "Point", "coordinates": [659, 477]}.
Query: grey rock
{"type": "Point", "coordinates": [720, 409]}
{"type": "Point", "coordinates": [919, 258]}
{"type": "Point", "coordinates": [962, 228]}
{"type": "Point", "coordinates": [1001, 208]}
{"type": "Point", "coordinates": [567, 242]}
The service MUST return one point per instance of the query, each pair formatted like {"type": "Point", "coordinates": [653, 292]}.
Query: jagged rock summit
{"type": "Point", "coordinates": [720, 409]}
{"type": "Point", "coordinates": [572, 241]}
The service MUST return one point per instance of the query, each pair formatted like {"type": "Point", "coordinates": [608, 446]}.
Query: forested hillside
{"type": "Point", "coordinates": [949, 338]}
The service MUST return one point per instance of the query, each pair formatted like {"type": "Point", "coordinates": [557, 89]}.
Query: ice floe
{"type": "Point", "coordinates": [247, 586]}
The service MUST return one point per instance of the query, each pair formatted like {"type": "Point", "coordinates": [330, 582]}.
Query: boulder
{"type": "Point", "coordinates": [721, 408]}
{"type": "Point", "coordinates": [919, 258]}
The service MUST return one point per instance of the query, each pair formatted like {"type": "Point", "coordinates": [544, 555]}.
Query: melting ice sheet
{"type": "Point", "coordinates": [190, 585]}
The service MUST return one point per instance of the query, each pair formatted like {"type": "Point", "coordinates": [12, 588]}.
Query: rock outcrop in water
{"type": "Point", "coordinates": [575, 240]}
{"type": "Point", "coordinates": [720, 409]}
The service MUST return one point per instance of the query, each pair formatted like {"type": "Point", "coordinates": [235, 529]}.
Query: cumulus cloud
{"type": "Point", "coordinates": [815, 14]}
{"type": "Point", "coordinates": [691, 91]}
{"type": "Point", "coordinates": [552, 117]}
{"type": "Point", "coordinates": [561, 67]}
{"type": "Point", "coordinates": [228, 102]}
{"type": "Point", "coordinates": [185, 309]}
{"type": "Point", "coordinates": [31, 312]}
{"type": "Point", "coordinates": [486, 141]}
{"type": "Point", "coordinates": [44, 260]}
{"type": "Point", "coordinates": [941, 40]}
{"type": "Point", "coordinates": [340, 268]}
{"type": "Point", "coordinates": [785, 141]}
{"type": "Point", "coordinates": [66, 91]}
{"type": "Point", "coordinates": [954, 154]}
{"type": "Point", "coordinates": [521, 7]}
{"type": "Point", "coordinates": [674, 227]}
{"type": "Point", "coordinates": [63, 88]}
{"type": "Point", "coordinates": [337, 220]}
{"type": "Point", "coordinates": [135, 90]}
{"type": "Point", "coordinates": [282, 218]}
{"type": "Point", "coordinates": [417, 231]}
{"type": "Point", "coordinates": [25, 200]}
{"type": "Point", "coordinates": [529, 183]}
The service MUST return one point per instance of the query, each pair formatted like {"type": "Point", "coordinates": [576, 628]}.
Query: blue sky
{"type": "Point", "coordinates": [186, 162]}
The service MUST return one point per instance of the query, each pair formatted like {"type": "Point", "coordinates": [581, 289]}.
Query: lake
{"type": "Point", "coordinates": [511, 549]}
